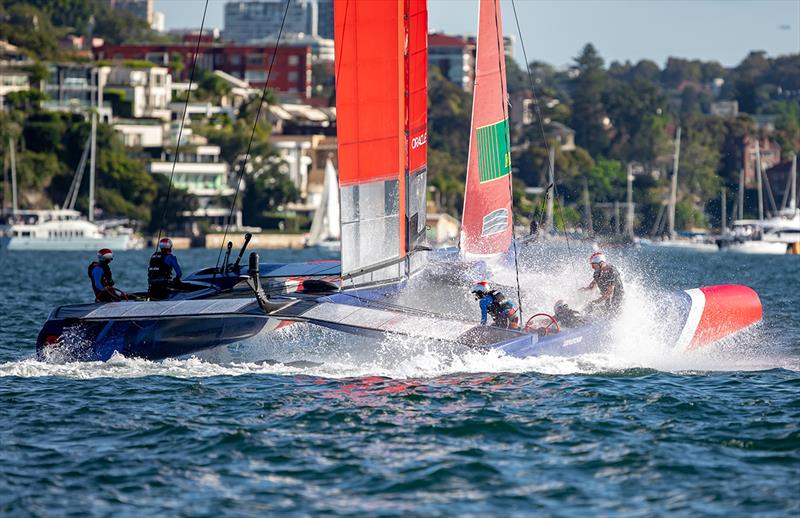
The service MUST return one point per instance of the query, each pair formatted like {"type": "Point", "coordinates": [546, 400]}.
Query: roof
{"type": "Point", "coordinates": [438, 39]}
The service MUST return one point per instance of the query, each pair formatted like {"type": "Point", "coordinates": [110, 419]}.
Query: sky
{"type": "Point", "coordinates": [554, 31]}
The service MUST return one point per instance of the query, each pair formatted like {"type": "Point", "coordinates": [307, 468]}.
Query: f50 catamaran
{"type": "Point", "coordinates": [381, 85]}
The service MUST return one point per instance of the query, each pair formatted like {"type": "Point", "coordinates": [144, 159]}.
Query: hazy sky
{"type": "Point", "coordinates": [555, 30]}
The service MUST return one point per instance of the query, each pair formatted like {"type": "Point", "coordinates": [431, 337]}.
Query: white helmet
{"type": "Point", "coordinates": [165, 244]}
{"type": "Point", "coordinates": [597, 258]}
{"type": "Point", "coordinates": [480, 288]}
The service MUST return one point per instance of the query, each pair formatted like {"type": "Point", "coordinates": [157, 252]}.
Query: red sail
{"type": "Point", "coordinates": [486, 227]}
{"type": "Point", "coordinates": [381, 103]}
{"type": "Point", "coordinates": [416, 125]}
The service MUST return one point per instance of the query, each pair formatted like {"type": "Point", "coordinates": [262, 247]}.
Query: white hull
{"type": "Point", "coordinates": [121, 242]}
{"type": "Point", "coordinates": [757, 247]}
{"type": "Point", "coordinates": [686, 245]}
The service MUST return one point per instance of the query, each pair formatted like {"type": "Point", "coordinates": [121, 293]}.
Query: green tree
{"type": "Point", "coordinates": [588, 112]}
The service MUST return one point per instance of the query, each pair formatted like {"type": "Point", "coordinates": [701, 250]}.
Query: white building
{"type": "Point", "coordinates": [149, 90]}
{"type": "Point", "coordinates": [145, 133]}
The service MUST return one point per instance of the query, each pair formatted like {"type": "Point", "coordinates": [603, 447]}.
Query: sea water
{"type": "Point", "coordinates": [309, 421]}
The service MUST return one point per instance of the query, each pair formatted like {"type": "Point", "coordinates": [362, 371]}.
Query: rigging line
{"type": "Point", "coordinates": [183, 121]}
{"type": "Point", "coordinates": [504, 102]}
{"type": "Point", "coordinates": [541, 126]}
{"type": "Point", "coordinates": [243, 167]}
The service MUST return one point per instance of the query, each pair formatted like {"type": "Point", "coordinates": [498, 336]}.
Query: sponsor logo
{"type": "Point", "coordinates": [572, 341]}
{"type": "Point", "coordinates": [420, 140]}
{"type": "Point", "coordinates": [495, 222]}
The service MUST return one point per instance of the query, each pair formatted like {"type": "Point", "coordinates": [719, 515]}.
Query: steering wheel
{"type": "Point", "coordinates": [116, 293]}
{"type": "Point", "coordinates": [544, 329]}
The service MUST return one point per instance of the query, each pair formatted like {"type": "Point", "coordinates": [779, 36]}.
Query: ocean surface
{"type": "Point", "coordinates": [312, 422]}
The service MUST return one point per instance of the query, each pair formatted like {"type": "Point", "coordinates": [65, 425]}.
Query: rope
{"type": "Point", "coordinates": [541, 128]}
{"type": "Point", "coordinates": [500, 57]}
{"type": "Point", "coordinates": [243, 167]}
{"type": "Point", "coordinates": [183, 121]}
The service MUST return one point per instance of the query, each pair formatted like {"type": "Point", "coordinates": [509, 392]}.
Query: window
{"type": "Point", "coordinates": [235, 59]}
{"type": "Point", "coordinates": [292, 76]}
{"type": "Point", "coordinates": [255, 76]}
{"type": "Point", "coordinates": [293, 60]}
{"type": "Point", "coordinates": [255, 59]}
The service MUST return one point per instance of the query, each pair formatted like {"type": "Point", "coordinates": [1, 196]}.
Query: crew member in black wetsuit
{"type": "Point", "coordinates": [566, 316]}
{"type": "Point", "coordinates": [163, 264]}
{"type": "Point", "coordinates": [100, 274]}
{"type": "Point", "coordinates": [494, 303]}
{"type": "Point", "coordinates": [606, 278]}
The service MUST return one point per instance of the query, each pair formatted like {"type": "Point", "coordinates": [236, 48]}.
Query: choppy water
{"type": "Point", "coordinates": [398, 427]}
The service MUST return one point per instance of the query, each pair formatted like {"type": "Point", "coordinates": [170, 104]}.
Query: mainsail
{"type": "Point", "coordinates": [325, 226]}
{"type": "Point", "coordinates": [381, 105]}
{"type": "Point", "coordinates": [486, 226]}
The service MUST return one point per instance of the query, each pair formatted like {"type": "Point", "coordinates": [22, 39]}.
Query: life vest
{"type": "Point", "coordinates": [105, 279]}
{"type": "Point", "coordinates": [500, 305]}
{"type": "Point", "coordinates": [158, 272]}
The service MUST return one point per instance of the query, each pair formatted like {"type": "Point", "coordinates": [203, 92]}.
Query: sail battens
{"type": "Point", "coordinates": [486, 222]}
{"type": "Point", "coordinates": [381, 101]}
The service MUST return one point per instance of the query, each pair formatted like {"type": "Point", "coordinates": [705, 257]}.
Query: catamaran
{"type": "Point", "coordinates": [381, 85]}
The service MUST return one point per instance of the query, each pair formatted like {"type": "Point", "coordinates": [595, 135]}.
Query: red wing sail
{"type": "Point", "coordinates": [486, 227]}
{"type": "Point", "coordinates": [417, 126]}
{"type": "Point", "coordinates": [370, 113]}
{"type": "Point", "coordinates": [381, 103]}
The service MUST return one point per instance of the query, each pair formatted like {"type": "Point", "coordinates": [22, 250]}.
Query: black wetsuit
{"type": "Point", "coordinates": [567, 317]}
{"type": "Point", "coordinates": [605, 278]}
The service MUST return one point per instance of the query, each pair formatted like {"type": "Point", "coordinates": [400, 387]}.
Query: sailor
{"type": "Point", "coordinates": [163, 264]}
{"type": "Point", "coordinates": [566, 316]}
{"type": "Point", "coordinates": [100, 274]}
{"type": "Point", "coordinates": [607, 279]}
{"type": "Point", "coordinates": [494, 303]}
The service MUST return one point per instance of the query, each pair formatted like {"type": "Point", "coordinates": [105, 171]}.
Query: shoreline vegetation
{"type": "Point", "coordinates": [618, 114]}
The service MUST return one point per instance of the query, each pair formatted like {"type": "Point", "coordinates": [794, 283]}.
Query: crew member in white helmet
{"type": "Point", "coordinates": [607, 279]}
{"type": "Point", "coordinates": [164, 272]}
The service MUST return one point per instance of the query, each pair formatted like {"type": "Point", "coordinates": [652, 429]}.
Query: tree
{"type": "Point", "coordinates": [588, 112]}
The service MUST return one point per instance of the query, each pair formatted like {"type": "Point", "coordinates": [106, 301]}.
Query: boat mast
{"type": "Point", "coordinates": [758, 182]}
{"type": "Point", "coordinates": [724, 210]}
{"type": "Point", "coordinates": [629, 213]}
{"type": "Point", "coordinates": [673, 193]}
{"type": "Point", "coordinates": [92, 165]}
{"type": "Point", "coordinates": [793, 201]}
{"type": "Point", "coordinates": [741, 194]}
{"type": "Point", "coordinates": [12, 152]}
{"type": "Point", "coordinates": [548, 226]}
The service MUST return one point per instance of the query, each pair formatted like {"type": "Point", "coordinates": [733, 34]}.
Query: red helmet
{"type": "Point", "coordinates": [105, 254]}
{"type": "Point", "coordinates": [165, 243]}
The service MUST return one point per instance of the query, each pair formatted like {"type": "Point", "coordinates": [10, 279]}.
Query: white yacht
{"type": "Point", "coordinates": [63, 229]}
{"type": "Point", "coordinates": [59, 229]}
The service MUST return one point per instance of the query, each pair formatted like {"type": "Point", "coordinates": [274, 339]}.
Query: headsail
{"type": "Point", "coordinates": [325, 226]}
{"type": "Point", "coordinates": [486, 226]}
{"type": "Point", "coordinates": [381, 81]}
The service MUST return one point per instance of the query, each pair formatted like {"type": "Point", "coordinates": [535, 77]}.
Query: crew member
{"type": "Point", "coordinates": [100, 275]}
{"type": "Point", "coordinates": [606, 278]}
{"type": "Point", "coordinates": [164, 271]}
{"type": "Point", "coordinates": [566, 316]}
{"type": "Point", "coordinates": [494, 303]}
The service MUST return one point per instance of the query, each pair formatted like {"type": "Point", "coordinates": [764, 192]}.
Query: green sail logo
{"type": "Point", "coordinates": [494, 159]}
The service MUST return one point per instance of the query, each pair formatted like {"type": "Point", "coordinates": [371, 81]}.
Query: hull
{"type": "Point", "coordinates": [82, 333]}
{"type": "Point", "coordinates": [120, 242]}
{"type": "Point", "coordinates": [756, 247]}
